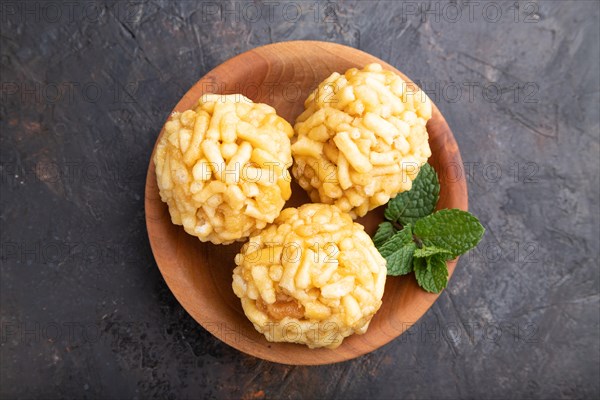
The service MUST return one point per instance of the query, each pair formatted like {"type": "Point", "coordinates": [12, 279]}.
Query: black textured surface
{"type": "Point", "coordinates": [85, 90]}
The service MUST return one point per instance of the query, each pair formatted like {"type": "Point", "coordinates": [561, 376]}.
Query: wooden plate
{"type": "Point", "coordinates": [199, 274]}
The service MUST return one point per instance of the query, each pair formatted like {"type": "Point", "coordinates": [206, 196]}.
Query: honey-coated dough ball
{"type": "Point", "coordinates": [222, 167]}
{"type": "Point", "coordinates": [312, 277]}
{"type": "Point", "coordinates": [361, 139]}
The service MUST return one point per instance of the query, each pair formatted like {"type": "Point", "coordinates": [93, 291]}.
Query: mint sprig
{"type": "Point", "coordinates": [415, 238]}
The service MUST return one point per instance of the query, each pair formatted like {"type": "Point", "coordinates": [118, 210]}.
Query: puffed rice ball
{"type": "Point", "coordinates": [362, 139]}
{"type": "Point", "coordinates": [222, 167]}
{"type": "Point", "coordinates": [312, 277]}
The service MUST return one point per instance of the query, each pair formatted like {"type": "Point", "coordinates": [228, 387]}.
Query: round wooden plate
{"type": "Point", "coordinates": [200, 274]}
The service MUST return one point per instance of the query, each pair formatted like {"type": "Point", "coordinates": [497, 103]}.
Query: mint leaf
{"type": "Point", "coordinates": [431, 273]}
{"type": "Point", "coordinates": [419, 201]}
{"type": "Point", "coordinates": [401, 238]}
{"type": "Point", "coordinates": [454, 230]}
{"type": "Point", "coordinates": [431, 250]}
{"type": "Point", "coordinates": [398, 252]}
{"type": "Point", "coordinates": [399, 262]}
{"type": "Point", "coordinates": [385, 230]}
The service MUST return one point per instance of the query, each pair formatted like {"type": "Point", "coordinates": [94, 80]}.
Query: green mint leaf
{"type": "Point", "coordinates": [400, 261]}
{"type": "Point", "coordinates": [431, 272]}
{"type": "Point", "coordinates": [385, 230]}
{"type": "Point", "coordinates": [454, 230]}
{"type": "Point", "coordinates": [431, 250]}
{"type": "Point", "coordinates": [398, 252]}
{"type": "Point", "coordinates": [401, 238]}
{"type": "Point", "coordinates": [419, 201]}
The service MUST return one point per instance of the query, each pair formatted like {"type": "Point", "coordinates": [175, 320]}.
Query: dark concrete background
{"type": "Point", "coordinates": [85, 89]}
